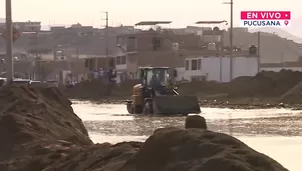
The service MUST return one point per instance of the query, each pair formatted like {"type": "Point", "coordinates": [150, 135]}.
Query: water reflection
{"type": "Point", "coordinates": [114, 120]}
{"type": "Point", "coordinates": [144, 126]}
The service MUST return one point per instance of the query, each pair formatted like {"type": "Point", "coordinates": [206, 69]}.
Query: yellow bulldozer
{"type": "Point", "coordinates": [156, 94]}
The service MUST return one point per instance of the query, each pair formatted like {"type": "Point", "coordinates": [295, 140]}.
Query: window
{"type": "Point", "coordinates": [187, 65]}
{"type": "Point", "coordinates": [194, 64]}
{"type": "Point", "coordinates": [123, 60]}
{"type": "Point", "coordinates": [156, 43]}
{"type": "Point", "coordinates": [131, 44]}
{"type": "Point", "coordinates": [199, 64]}
{"type": "Point", "coordinates": [118, 60]}
{"type": "Point", "coordinates": [194, 79]}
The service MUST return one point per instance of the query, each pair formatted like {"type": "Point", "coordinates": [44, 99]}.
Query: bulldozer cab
{"type": "Point", "coordinates": [154, 77]}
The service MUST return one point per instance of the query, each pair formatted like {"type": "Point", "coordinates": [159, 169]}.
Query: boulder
{"type": "Point", "coordinates": [195, 121]}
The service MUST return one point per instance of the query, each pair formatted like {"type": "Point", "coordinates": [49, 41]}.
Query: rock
{"type": "Point", "coordinates": [197, 149]}
{"type": "Point", "coordinates": [195, 121]}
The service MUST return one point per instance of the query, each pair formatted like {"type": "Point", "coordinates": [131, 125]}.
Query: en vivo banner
{"type": "Point", "coordinates": [265, 18]}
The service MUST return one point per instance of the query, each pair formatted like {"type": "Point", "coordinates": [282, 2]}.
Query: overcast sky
{"type": "Point", "coordinates": [128, 12]}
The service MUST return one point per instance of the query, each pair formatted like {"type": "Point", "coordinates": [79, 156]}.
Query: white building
{"type": "Point", "coordinates": [217, 68]}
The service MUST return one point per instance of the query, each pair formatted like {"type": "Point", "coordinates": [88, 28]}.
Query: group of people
{"type": "Point", "coordinates": [105, 74]}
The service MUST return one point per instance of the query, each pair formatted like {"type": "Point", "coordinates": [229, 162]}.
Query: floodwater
{"type": "Point", "coordinates": [274, 132]}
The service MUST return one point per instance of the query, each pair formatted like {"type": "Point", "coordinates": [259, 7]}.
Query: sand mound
{"type": "Point", "coordinates": [294, 95]}
{"type": "Point", "coordinates": [196, 149]}
{"type": "Point", "coordinates": [33, 119]}
{"type": "Point", "coordinates": [265, 83]}
{"type": "Point", "coordinates": [93, 90]}
{"type": "Point", "coordinates": [96, 89]}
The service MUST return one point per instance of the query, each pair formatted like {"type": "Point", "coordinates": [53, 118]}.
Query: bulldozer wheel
{"type": "Point", "coordinates": [129, 108]}
{"type": "Point", "coordinates": [138, 109]}
{"type": "Point", "coordinates": [148, 108]}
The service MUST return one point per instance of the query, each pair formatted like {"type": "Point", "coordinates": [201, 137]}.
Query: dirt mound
{"type": "Point", "coordinates": [196, 149]}
{"type": "Point", "coordinates": [265, 83]}
{"type": "Point", "coordinates": [293, 96]}
{"type": "Point", "coordinates": [208, 87]}
{"type": "Point", "coordinates": [32, 119]}
{"type": "Point", "coordinates": [96, 89]}
{"type": "Point", "coordinates": [100, 157]}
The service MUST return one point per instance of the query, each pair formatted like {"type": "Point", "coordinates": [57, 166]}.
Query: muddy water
{"type": "Point", "coordinates": [274, 132]}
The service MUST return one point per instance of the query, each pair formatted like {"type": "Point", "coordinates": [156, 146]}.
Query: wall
{"type": "Point", "coordinates": [180, 73]}
{"type": "Point", "coordinates": [218, 68]}
{"type": "Point", "coordinates": [121, 67]}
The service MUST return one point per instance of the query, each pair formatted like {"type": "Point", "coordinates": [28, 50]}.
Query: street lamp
{"type": "Point", "coordinates": [9, 42]}
{"type": "Point", "coordinates": [231, 38]}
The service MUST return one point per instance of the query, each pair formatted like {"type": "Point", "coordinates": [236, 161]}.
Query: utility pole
{"type": "Point", "coordinates": [37, 57]}
{"type": "Point", "coordinates": [231, 41]}
{"type": "Point", "coordinates": [231, 55]}
{"type": "Point", "coordinates": [106, 41]}
{"type": "Point", "coordinates": [258, 51]}
{"type": "Point", "coordinates": [231, 37]}
{"type": "Point", "coordinates": [9, 42]}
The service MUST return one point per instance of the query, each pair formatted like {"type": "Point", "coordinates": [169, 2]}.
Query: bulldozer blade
{"type": "Point", "coordinates": [176, 105]}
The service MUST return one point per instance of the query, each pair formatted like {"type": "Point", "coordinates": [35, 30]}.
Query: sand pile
{"type": "Point", "coordinates": [293, 95]}
{"type": "Point", "coordinates": [33, 119]}
{"type": "Point", "coordinates": [97, 89]}
{"type": "Point", "coordinates": [209, 87]}
{"type": "Point", "coordinates": [40, 132]}
{"type": "Point", "coordinates": [197, 149]}
{"type": "Point", "coordinates": [265, 84]}
{"type": "Point", "coordinates": [93, 90]}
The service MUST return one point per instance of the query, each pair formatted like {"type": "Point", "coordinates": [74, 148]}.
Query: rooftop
{"type": "Point", "coordinates": [151, 23]}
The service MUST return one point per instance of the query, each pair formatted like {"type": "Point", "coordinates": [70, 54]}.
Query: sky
{"type": "Point", "coordinates": [129, 12]}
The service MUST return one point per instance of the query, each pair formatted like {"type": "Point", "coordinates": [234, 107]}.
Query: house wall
{"type": "Point", "coordinates": [218, 68]}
